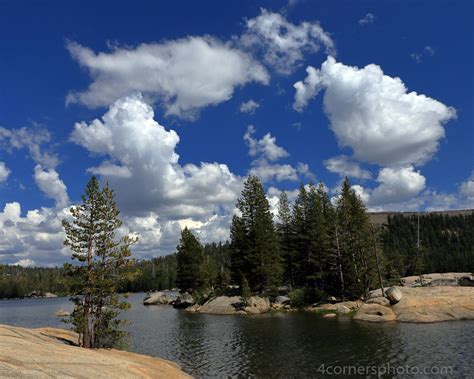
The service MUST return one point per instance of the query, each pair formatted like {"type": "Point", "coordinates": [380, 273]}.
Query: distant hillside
{"type": "Point", "coordinates": [380, 218]}
{"type": "Point", "coordinates": [445, 240]}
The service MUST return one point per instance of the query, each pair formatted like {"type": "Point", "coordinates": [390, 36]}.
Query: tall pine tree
{"type": "Point", "coordinates": [285, 233]}
{"type": "Point", "coordinates": [255, 246]}
{"type": "Point", "coordinates": [355, 242]}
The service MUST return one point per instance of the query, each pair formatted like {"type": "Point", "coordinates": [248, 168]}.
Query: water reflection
{"type": "Point", "coordinates": [273, 345]}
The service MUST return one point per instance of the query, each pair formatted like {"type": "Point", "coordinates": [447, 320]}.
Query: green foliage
{"type": "Point", "coordinates": [190, 263]}
{"type": "Point", "coordinates": [104, 262]}
{"type": "Point", "coordinates": [254, 241]}
{"type": "Point", "coordinates": [152, 275]}
{"type": "Point", "coordinates": [446, 244]}
{"type": "Point", "coordinates": [297, 298]}
{"type": "Point", "coordinates": [147, 275]}
{"type": "Point", "coordinates": [355, 243]}
{"type": "Point", "coordinates": [245, 292]}
{"type": "Point", "coordinates": [18, 282]}
{"type": "Point", "coordinates": [301, 297]}
{"type": "Point", "coordinates": [286, 237]}
{"type": "Point", "coordinates": [315, 248]}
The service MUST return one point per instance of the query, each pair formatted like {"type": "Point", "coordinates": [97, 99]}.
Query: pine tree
{"type": "Point", "coordinates": [254, 240]}
{"type": "Point", "coordinates": [104, 263]}
{"type": "Point", "coordinates": [190, 259]}
{"type": "Point", "coordinates": [355, 242]}
{"type": "Point", "coordinates": [321, 217]}
{"type": "Point", "coordinates": [240, 260]}
{"type": "Point", "coordinates": [301, 237]}
{"type": "Point", "coordinates": [285, 233]}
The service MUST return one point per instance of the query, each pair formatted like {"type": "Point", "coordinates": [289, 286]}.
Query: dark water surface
{"type": "Point", "coordinates": [277, 345]}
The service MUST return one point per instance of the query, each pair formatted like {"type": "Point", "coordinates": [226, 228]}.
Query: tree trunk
{"type": "Point", "coordinates": [378, 261]}
{"type": "Point", "coordinates": [339, 258]}
{"type": "Point", "coordinates": [85, 330]}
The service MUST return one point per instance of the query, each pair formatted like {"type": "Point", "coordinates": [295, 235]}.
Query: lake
{"type": "Point", "coordinates": [278, 345]}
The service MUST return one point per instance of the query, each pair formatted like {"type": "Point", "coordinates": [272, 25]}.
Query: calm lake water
{"type": "Point", "coordinates": [291, 345]}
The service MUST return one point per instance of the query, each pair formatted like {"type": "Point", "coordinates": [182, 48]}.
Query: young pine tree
{"type": "Point", "coordinates": [190, 260]}
{"type": "Point", "coordinates": [104, 263]}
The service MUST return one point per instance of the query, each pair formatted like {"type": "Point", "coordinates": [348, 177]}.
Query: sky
{"type": "Point", "coordinates": [175, 103]}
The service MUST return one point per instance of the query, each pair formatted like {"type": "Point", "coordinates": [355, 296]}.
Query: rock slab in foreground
{"type": "Point", "coordinates": [43, 353]}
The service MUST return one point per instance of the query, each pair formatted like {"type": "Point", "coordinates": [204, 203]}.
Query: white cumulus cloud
{"type": "Point", "coordinates": [397, 185]}
{"type": "Point", "coordinates": [37, 237]}
{"type": "Point", "coordinates": [343, 166]}
{"type": "Point", "coordinates": [378, 118]}
{"type": "Point", "coordinates": [109, 169]}
{"type": "Point", "coordinates": [52, 186]}
{"type": "Point", "coordinates": [183, 75]}
{"type": "Point", "coordinates": [129, 137]}
{"type": "Point", "coordinates": [265, 147]}
{"type": "Point", "coordinates": [25, 263]}
{"type": "Point", "coordinates": [33, 139]}
{"type": "Point", "coordinates": [249, 107]}
{"type": "Point", "coordinates": [367, 19]}
{"type": "Point", "coordinates": [266, 152]}
{"type": "Point", "coordinates": [307, 89]}
{"type": "Point", "coordinates": [4, 172]}
{"type": "Point", "coordinates": [282, 43]}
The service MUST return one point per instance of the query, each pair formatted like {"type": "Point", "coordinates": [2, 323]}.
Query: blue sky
{"type": "Point", "coordinates": [190, 97]}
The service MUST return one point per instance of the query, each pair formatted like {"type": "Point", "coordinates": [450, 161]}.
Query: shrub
{"type": "Point", "coordinates": [301, 297]}
{"type": "Point", "coordinates": [297, 298]}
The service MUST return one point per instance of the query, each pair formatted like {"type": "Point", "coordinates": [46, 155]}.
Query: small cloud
{"type": "Point", "coordinates": [297, 125]}
{"type": "Point", "coordinates": [344, 166]}
{"type": "Point", "coordinates": [265, 147]}
{"type": "Point", "coordinates": [249, 107]}
{"type": "Point", "coordinates": [283, 45]}
{"type": "Point", "coordinates": [428, 51]}
{"type": "Point", "coordinates": [24, 263]}
{"type": "Point", "coordinates": [4, 172]}
{"type": "Point", "coordinates": [367, 19]}
{"type": "Point", "coordinates": [416, 57]}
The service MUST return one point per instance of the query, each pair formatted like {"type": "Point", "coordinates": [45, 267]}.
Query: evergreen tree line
{"type": "Point", "coordinates": [18, 282]}
{"type": "Point", "coordinates": [313, 245]}
{"type": "Point", "coordinates": [446, 243]}
{"type": "Point", "coordinates": [149, 275]}
{"type": "Point", "coordinates": [316, 246]}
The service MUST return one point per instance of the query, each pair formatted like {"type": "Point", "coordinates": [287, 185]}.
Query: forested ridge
{"type": "Point", "coordinates": [312, 245]}
{"type": "Point", "coordinates": [446, 242]}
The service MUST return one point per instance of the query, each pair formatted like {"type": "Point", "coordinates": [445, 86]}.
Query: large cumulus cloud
{"type": "Point", "coordinates": [184, 75]}
{"type": "Point", "coordinates": [133, 142]}
{"type": "Point", "coordinates": [375, 115]}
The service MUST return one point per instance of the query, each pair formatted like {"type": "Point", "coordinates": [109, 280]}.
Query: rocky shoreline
{"type": "Point", "coordinates": [431, 298]}
{"type": "Point", "coordinates": [50, 352]}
